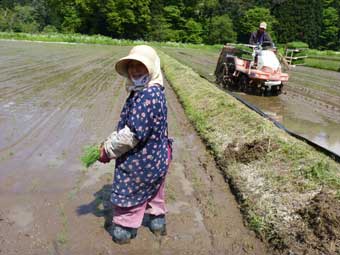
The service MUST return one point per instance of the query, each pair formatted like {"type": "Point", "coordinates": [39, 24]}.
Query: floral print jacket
{"type": "Point", "coordinates": [140, 172]}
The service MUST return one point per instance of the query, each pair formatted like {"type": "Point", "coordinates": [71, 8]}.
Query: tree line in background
{"type": "Point", "coordinates": [314, 22]}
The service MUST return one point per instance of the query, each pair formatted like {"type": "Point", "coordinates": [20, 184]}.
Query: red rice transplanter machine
{"type": "Point", "coordinates": [254, 69]}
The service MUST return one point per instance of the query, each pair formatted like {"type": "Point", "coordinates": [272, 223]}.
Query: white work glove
{"type": "Point", "coordinates": [120, 142]}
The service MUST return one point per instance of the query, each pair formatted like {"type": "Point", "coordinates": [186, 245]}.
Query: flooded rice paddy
{"type": "Point", "coordinates": [54, 100]}
{"type": "Point", "coordinates": [308, 106]}
{"type": "Point", "coordinates": [57, 98]}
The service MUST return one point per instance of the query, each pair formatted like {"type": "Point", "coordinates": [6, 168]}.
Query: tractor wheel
{"type": "Point", "coordinates": [243, 83]}
{"type": "Point", "coordinates": [279, 91]}
{"type": "Point", "coordinates": [220, 74]}
{"type": "Point", "coordinates": [226, 77]}
{"type": "Point", "coordinates": [275, 91]}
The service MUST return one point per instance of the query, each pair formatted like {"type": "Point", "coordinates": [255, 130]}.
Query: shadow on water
{"type": "Point", "coordinates": [101, 206]}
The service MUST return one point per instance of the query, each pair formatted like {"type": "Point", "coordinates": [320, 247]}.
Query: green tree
{"type": "Point", "coordinates": [128, 18]}
{"type": "Point", "coordinates": [64, 15]}
{"type": "Point", "coordinates": [330, 29]}
{"type": "Point", "coordinates": [173, 16]}
{"type": "Point", "coordinates": [236, 10]}
{"type": "Point", "coordinates": [41, 12]}
{"type": "Point", "coordinates": [206, 10]}
{"type": "Point", "coordinates": [93, 17]}
{"type": "Point", "coordinates": [11, 3]}
{"type": "Point", "coordinates": [193, 32]}
{"type": "Point", "coordinates": [221, 30]}
{"type": "Point", "coordinates": [252, 19]}
{"type": "Point", "coordinates": [7, 19]}
{"type": "Point", "coordinates": [169, 25]}
{"type": "Point", "coordinates": [160, 29]}
{"type": "Point", "coordinates": [24, 19]}
{"type": "Point", "coordinates": [299, 20]}
{"type": "Point", "coordinates": [71, 20]}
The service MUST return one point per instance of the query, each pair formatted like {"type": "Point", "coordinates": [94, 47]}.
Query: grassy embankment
{"type": "Point", "coordinates": [274, 176]}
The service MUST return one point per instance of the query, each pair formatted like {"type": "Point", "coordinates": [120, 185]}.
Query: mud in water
{"type": "Point", "coordinates": [58, 98]}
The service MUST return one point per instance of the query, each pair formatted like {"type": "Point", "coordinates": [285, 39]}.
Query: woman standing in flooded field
{"type": "Point", "coordinates": [140, 146]}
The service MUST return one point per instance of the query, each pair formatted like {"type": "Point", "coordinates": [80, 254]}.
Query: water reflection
{"type": "Point", "coordinates": [301, 119]}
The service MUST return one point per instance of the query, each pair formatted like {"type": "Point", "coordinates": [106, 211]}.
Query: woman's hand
{"type": "Point", "coordinates": [102, 155]}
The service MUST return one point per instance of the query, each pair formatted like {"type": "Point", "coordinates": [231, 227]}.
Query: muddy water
{"type": "Point", "coordinates": [46, 93]}
{"type": "Point", "coordinates": [312, 111]}
{"type": "Point", "coordinates": [309, 106]}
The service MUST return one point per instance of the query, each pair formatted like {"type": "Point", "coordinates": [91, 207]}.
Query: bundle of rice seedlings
{"type": "Point", "coordinates": [299, 52]}
{"type": "Point", "coordinates": [297, 45]}
{"type": "Point", "coordinates": [91, 154]}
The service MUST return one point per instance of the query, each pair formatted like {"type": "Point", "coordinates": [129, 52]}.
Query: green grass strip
{"type": "Point", "coordinates": [285, 173]}
{"type": "Point", "coordinates": [96, 39]}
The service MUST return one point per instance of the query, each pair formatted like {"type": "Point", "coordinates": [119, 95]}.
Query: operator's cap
{"type": "Point", "coordinates": [263, 25]}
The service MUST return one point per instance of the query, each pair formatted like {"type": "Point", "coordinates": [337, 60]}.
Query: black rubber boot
{"type": "Point", "coordinates": [157, 224]}
{"type": "Point", "coordinates": [122, 235]}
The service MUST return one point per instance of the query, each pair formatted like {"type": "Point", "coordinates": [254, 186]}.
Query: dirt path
{"type": "Point", "coordinates": [58, 99]}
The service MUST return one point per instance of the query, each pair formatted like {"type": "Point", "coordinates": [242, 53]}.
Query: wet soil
{"type": "Point", "coordinates": [322, 229]}
{"type": "Point", "coordinates": [248, 152]}
{"type": "Point", "coordinates": [57, 98]}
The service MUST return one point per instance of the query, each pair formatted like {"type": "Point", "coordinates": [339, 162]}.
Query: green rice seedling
{"type": "Point", "coordinates": [295, 45]}
{"type": "Point", "coordinates": [91, 154]}
{"type": "Point", "coordinates": [323, 64]}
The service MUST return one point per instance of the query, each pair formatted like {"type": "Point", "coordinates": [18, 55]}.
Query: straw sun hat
{"type": "Point", "coordinates": [142, 53]}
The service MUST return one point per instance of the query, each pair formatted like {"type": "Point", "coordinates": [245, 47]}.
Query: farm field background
{"type": "Point", "coordinates": [57, 98]}
{"type": "Point", "coordinates": [282, 184]}
{"type": "Point", "coordinates": [309, 104]}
